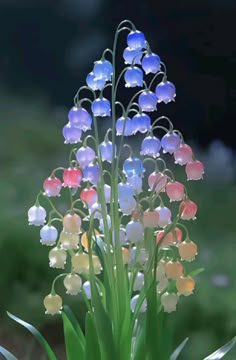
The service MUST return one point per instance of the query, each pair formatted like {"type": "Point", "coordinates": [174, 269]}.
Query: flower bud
{"type": "Point", "coordinates": [72, 283]}
{"type": "Point", "coordinates": [53, 304]}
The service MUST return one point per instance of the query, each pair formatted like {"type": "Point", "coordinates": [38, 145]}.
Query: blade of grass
{"type": "Point", "coordinates": [178, 350]}
{"type": "Point", "coordinates": [8, 355]}
{"type": "Point", "coordinates": [36, 334]}
{"type": "Point", "coordinates": [92, 350]}
{"type": "Point", "coordinates": [74, 339]}
{"type": "Point", "coordinates": [221, 352]}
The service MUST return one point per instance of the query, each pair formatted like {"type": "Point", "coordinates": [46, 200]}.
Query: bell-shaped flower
{"type": "Point", "coordinates": [94, 83]}
{"type": "Point", "coordinates": [52, 186]}
{"type": "Point", "coordinates": [136, 182]}
{"type": "Point", "coordinates": [174, 269]}
{"type": "Point", "coordinates": [194, 170]}
{"type": "Point", "coordinates": [127, 205]}
{"type": "Point", "coordinates": [133, 166]}
{"type": "Point", "coordinates": [69, 240]}
{"type": "Point", "coordinates": [72, 177]}
{"type": "Point", "coordinates": [85, 155]}
{"type": "Point", "coordinates": [165, 91]}
{"type": "Point", "coordinates": [124, 126]}
{"type": "Point", "coordinates": [106, 151]}
{"type": "Point", "coordinates": [73, 284]}
{"type": "Point", "coordinates": [150, 219]}
{"type": "Point", "coordinates": [123, 237]}
{"type": "Point", "coordinates": [96, 210]}
{"type": "Point", "coordinates": [92, 173]}
{"type": "Point", "coordinates": [162, 285]}
{"type": "Point", "coordinates": [134, 231]}
{"type": "Point", "coordinates": [53, 304]}
{"type": "Point", "coordinates": [170, 142]}
{"type": "Point", "coordinates": [175, 191]}
{"type": "Point", "coordinates": [103, 70]}
{"type": "Point", "coordinates": [164, 216]}
{"type": "Point", "coordinates": [188, 210]}
{"type": "Point", "coordinates": [147, 101]}
{"type": "Point", "coordinates": [183, 154]}
{"type": "Point", "coordinates": [101, 107]}
{"type": "Point", "coordinates": [36, 215]}
{"type": "Point", "coordinates": [101, 223]}
{"type": "Point", "coordinates": [107, 193]}
{"type": "Point", "coordinates": [141, 123]}
{"type": "Point", "coordinates": [80, 263]}
{"type": "Point", "coordinates": [150, 146]}
{"type": "Point", "coordinates": [138, 282]}
{"type": "Point", "coordinates": [72, 134]}
{"type": "Point", "coordinates": [151, 63]}
{"type": "Point", "coordinates": [136, 40]}
{"type": "Point", "coordinates": [72, 223]}
{"type": "Point", "coordinates": [133, 77]}
{"type": "Point", "coordinates": [169, 301]}
{"type": "Point", "coordinates": [187, 250]}
{"type": "Point", "coordinates": [185, 285]}
{"type": "Point", "coordinates": [157, 181]}
{"type": "Point", "coordinates": [125, 191]}
{"type": "Point", "coordinates": [134, 301]}
{"type": "Point", "coordinates": [48, 235]}
{"type": "Point", "coordinates": [80, 118]}
{"type": "Point", "coordinates": [132, 56]}
{"type": "Point", "coordinates": [57, 258]}
{"type": "Point", "coordinates": [89, 196]}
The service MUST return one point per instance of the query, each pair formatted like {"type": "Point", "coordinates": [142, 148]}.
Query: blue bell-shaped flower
{"type": "Point", "coordinates": [150, 146]}
{"type": "Point", "coordinates": [101, 107]}
{"type": "Point", "coordinates": [72, 134]}
{"type": "Point", "coordinates": [133, 166]}
{"type": "Point", "coordinates": [133, 77]}
{"type": "Point", "coordinates": [106, 150]}
{"type": "Point", "coordinates": [48, 235]}
{"type": "Point", "coordinates": [125, 191]}
{"type": "Point", "coordinates": [124, 126]}
{"type": "Point", "coordinates": [136, 40]}
{"type": "Point", "coordinates": [92, 173]}
{"type": "Point", "coordinates": [136, 182]}
{"type": "Point", "coordinates": [80, 118]}
{"type": "Point", "coordinates": [170, 142]}
{"type": "Point", "coordinates": [165, 91]}
{"type": "Point", "coordinates": [132, 56]}
{"type": "Point", "coordinates": [141, 123]}
{"type": "Point", "coordinates": [147, 101]}
{"type": "Point", "coordinates": [103, 70]}
{"type": "Point", "coordinates": [151, 63]}
{"type": "Point", "coordinates": [93, 83]}
{"type": "Point", "coordinates": [85, 155]}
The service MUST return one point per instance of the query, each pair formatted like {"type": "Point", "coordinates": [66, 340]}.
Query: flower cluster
{"type": "Point", "coordinates": [121, 215]}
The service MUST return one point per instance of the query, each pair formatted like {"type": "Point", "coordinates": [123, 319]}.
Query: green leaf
{"type": "Point", "coordinates": [196, 272]}
{"type": "Point", "coordinates": [178, 350]}
{"type": "Point", "coordinates": [92, 350]}
{"type": "Point", "coordinates": [36, 334]}
{"type": "Point", "coordinates": [221, 352]}
{"type": "Point", "coordinates": [74, 337]}
{"type": "Point", "coordinates": [7, 354]}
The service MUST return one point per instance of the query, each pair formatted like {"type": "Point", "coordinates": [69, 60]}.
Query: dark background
{"type": "Point", "coordinates": [46, 49]}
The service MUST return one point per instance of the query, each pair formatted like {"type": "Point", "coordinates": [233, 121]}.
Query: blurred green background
{"type": "Point", "coordinates": [38, 81]}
